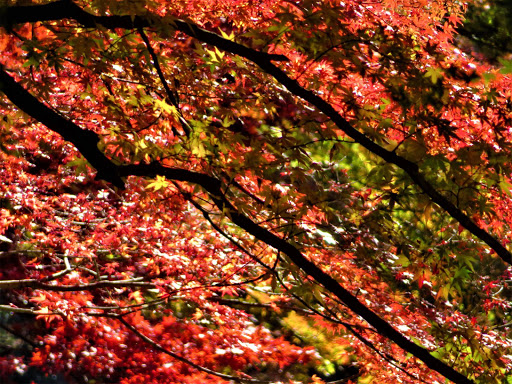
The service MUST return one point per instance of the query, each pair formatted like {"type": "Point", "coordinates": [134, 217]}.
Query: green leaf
{"type": "Point", "coordinates": [506, 66]}
{"type": "Point", "coordinates": [434, 74]}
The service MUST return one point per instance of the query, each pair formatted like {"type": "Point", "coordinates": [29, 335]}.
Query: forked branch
{"type": "Point", "coordinates": [29, 104]}
{"type": "Point", "coordinates": [65, 9]}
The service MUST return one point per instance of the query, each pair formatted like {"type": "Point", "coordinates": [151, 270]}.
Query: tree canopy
{"type": "Point", "coordinates": [252, 191]}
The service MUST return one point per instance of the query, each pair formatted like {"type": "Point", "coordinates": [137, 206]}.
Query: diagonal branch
{"type": "Point", "coordinates": [65, 9]}
{"type": "Point", "coordinates": [212, 186]}
{"type": "Point", "coordinates": [86, 142]}
{"type": "Point", "coordinates": [391, 157]}
{"type": "Point", "coordinates": [172, 98]}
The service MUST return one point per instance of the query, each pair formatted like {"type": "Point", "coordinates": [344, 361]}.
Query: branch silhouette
{"type": "Point", "coordinates": [73, 133]}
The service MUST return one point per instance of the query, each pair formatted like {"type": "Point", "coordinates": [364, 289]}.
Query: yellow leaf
{"type": "Point", "coordinates": [434, 74]}
{"type": "Point", "coordinates": [137, 296]}
{"type": "Point", "coordinates": [159, 183]}
{"type": "Point", "coordinates": [231, 36]}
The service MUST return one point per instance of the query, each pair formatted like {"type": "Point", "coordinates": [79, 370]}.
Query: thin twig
{"type": "Point", "coordinates": [172, 97]}
{"type": "Point", "coordinates": [184, 360]}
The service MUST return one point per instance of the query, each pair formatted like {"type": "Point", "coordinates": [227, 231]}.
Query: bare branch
{"type": "Point", "coordinates": [39, 284]}
{"type": "Point", "coordinates": [86, 142]}
{"type": "Point", "coordinates": [65, 9]}
{"type": "Point", "coordinates": [172, 98]}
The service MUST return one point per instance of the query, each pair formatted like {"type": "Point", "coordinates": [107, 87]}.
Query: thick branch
{"type": "Point", "coordinates": [389, 156]}
{"type": "Point", "coordinates": [213, 187]}
{"type": "Point", "coordinates": [85, 141]}
{"type": "Point", "coordinates": [64, 9]}
{"type": "Point", "coordinates": [382, 326]}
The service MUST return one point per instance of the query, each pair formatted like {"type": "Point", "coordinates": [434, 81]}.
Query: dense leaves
{"type": "Point", "coordinates": [215, 191]}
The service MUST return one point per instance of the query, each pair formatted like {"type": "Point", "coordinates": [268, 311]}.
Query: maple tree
{"type": "Point", "coordinates": [253, 191]}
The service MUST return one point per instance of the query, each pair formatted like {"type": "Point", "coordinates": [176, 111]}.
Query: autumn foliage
{"type": "Point", "coordinates": [252, 191]}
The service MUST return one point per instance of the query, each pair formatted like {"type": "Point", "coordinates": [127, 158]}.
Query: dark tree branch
{"type": "Point", "coordinates": [382, 326]}
{"type": "Point", "coordinates": [172, 98]}
{"type": "Point", "coordinates": [391, 157]}
{"type": "Point", "coordinates": [73, 133]}
{"type": "Point", "coordinates": [213, 187]}
{"type": "Point", "coordinates": [86, 142]}
{"type": "Point", "coordinates": [65, 9]}
{"type": "Point", "coordinates": [159, 71]}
